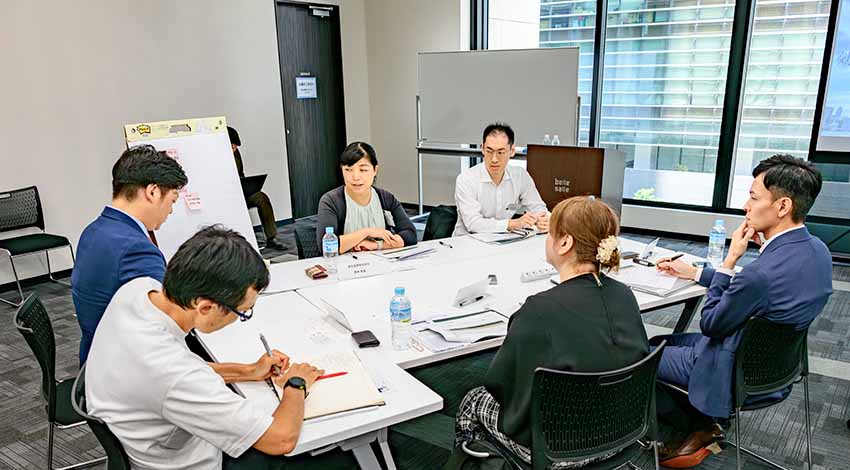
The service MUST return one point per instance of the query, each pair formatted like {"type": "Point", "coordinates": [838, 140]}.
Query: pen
{"type": "Point", "coordinates": [330, 376]}
{"type": "Point", "coordinates": [444, 244]}
{"type": "Point", "coordinates": [470, 301]}
{"type": "Point", "coordinates": [269, 352]}
{"type": "Point", "coordinates": [276, 368]}
{"type": "Point", "coordinates": [674, 258]}
{"type": "Point", "coordinates": [643, 262]}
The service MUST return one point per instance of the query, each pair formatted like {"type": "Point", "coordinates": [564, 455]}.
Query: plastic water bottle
{"type": "Point", "coordinates": [400, 319]}
{"type": "Point", "coordinates": [716, 243]}
{"type": "Point", "coordinates": [556, 140]}
{"type": "Point", "coordinates": [546, 140]}
{"type": "Point", "coordinates": [330, 249]}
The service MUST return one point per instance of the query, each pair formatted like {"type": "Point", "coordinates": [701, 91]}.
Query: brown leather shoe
{"type": "Point", "coordinates": [696, 448]}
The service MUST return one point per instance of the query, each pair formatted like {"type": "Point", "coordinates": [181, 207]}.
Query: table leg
{"type": "Point", "coordinates": [687, 314]}
{"type": "Point", "coordinates": [366, 459]}
{"type": "Point", "coordinates": [362, 450]}
{"type": "Point", "coordinates": [421, 196]}
{"type": "Point", "coordinates": [385, 449]}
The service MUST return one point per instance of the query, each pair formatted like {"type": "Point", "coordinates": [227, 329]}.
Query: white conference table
{"type": "Point", "coordinates": [291, 276]}
{"type": "Point", "coordinates": [432, 288]}
{"type": "Point", "coordinates": [284, 319]}
{"type": "Point", "coordinates": [292, 317]}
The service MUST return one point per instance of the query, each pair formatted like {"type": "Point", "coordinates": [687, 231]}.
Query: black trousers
{"type": "Point", "coordinates": [253, 459]}
{"type": "Point", "coordinates": [264, 206]}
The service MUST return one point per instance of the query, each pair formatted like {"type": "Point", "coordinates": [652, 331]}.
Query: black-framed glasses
{"type": "Point", "coordinates": [243, 316]}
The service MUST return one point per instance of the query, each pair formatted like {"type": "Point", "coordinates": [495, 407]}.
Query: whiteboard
{"type": "Point", "coordinates": [533, 90]}
{"type": "Point", "coordinates": [202, 148]}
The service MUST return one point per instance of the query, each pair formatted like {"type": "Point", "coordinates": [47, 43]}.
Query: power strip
{"type": "Point", "coordinates": [538, 274]}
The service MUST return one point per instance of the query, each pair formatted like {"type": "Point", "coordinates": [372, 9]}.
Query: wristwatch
{"type": "Point", "coordinates": [299, 383]}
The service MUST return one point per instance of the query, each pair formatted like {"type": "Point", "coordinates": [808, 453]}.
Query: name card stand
{"type": "Point", "coordinates": [350, 268]}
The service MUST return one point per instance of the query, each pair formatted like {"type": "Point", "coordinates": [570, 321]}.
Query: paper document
{"type": "Point", "coordinates": [434, 342]}
{"type": "Point", "coordinates": [651, 281]}
{"type": "Point", "coordinates": [495, 238]}
{"type": "Point", "coordinates": [470, 328]}
{"type": "Point", "coordinates": [405, 253]}
{"type": "Point", "coordinates": [351, 391]}
{"type": "Point", "coordinates": [644, 276]}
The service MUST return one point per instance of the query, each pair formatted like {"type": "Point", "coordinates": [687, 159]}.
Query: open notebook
{"type": "Point", "coordinates": [351, 391]}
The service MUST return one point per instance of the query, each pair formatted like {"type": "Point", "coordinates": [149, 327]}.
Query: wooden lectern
{"type": "Point", "coordinates": [561, 172]}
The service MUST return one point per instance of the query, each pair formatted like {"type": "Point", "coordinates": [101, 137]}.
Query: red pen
{"type": "Point", "coordinates": [330, 376]}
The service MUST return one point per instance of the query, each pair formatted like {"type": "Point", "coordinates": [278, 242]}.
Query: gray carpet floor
{"type": "Point", "coordinates": [425, 443]}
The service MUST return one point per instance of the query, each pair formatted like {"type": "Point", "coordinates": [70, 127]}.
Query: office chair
{"type": "Point", "coordinates": [21, 209]}
{"type": "Point", "coordinates": [33, 323]}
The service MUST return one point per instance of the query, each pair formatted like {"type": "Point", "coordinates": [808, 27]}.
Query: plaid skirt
{"type": "Point", "coordinates": [478, 417]}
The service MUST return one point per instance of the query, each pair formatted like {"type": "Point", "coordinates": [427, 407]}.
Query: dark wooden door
{"type": "Point", "coordinates": [310, 52]}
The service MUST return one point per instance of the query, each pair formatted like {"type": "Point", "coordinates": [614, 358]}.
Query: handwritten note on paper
{"type": "Point", "coordinates": [193, 201]}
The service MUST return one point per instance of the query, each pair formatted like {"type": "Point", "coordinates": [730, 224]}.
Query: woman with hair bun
{"type": "Point", "coordinates": [587, 323]}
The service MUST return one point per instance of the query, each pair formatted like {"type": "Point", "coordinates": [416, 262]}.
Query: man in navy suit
{"type": "Point", "coordinates": [116, 247]}
{"type": "Point", "coordinates": [789, 283]}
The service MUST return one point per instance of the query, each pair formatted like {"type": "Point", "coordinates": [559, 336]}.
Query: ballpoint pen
{"type": "Point", "coordinates": [275, 367]}
{"type": "Point", "coordinates": [444, 244]}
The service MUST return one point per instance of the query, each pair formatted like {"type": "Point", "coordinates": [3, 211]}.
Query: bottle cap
{"type": "Point", "coordinates": [399, 291]}
{"type": "Point", "coordinates": [719, 222]}
{"type": "Point", "coordinates": [329, 230]}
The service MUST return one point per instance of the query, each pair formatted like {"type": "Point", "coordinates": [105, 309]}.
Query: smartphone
{"type": "Point", "coordinates": [365, 339]}
{"type": "Point", "coordinates": [493, 279]}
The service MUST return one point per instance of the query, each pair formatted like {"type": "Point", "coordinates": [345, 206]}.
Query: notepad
{"type": "Point", "coordinates": [650, 280]}
{"type": "Point", "coordinates": [352, 391]}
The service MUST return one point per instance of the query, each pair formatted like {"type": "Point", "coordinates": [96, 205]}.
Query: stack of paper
{"type": "Point", "coordinates": [470, 327]}
{"type": "Point", "coordinates": [405, 253]}
{"type": "Point", "coordinates": [497, 238]}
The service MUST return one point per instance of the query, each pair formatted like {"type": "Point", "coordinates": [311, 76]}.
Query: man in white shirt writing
{"type": "Point", "coordinates": [490, 193]}
{"type": "Point", "coordinates": [169, 408]}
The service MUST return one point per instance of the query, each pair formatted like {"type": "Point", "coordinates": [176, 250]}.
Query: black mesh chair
{"type": "Point", "coordinates": [770, 358]}
{"type": "Point", "coordinates": [305, 243]}
{"type": "Point", "coordinates": [116, 457]}
{"type": "Point", "coordinates": [441, 223]}
{"type": "Point", "coordinates": [21, 209]}
{"type": "Point", "coordinates": [580, 415]}
{"type": "Point", "coordinates": [34, 324]}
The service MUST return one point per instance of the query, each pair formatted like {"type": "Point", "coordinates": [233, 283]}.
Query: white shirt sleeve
{"type": "Point", "coordinates": [469, 207]}
{"type": "Point", "coordinates": [201, 404]}
{"type": "Point", "coordinates": [726, 271]}
{"type": "Point", "coordinates": [529, 197]}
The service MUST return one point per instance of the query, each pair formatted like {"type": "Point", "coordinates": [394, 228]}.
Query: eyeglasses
{"type": "Point", "coordinates": [243, 316]}
{"type": "Point", "coordinates": [501, 153]}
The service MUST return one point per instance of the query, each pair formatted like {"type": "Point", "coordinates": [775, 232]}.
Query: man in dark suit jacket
{"type": "Point", "coordinates": [260, 200]}
{"type": "Point", "coordinates": [117, 247]}
{"type": "Point", "coordinates": [789, 283]}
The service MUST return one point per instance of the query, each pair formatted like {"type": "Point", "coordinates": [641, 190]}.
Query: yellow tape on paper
{"type": "Point", "coordinates": [145, 131]}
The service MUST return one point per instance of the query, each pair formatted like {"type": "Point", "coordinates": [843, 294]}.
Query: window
{"type": "Point", "coordinates": [664, 84]}
{"type": "Point", "coordinates": [662, 98]}
{"type": "Point", "coordinates": [780, 95]}
{"type": "Point", "coordinates": [516, 24]}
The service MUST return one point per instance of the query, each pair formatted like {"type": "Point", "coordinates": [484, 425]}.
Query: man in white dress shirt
{"type": "Point", "coordinates": [169, 409]}
{"type": "Point", "coordinates": [490, 193]}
